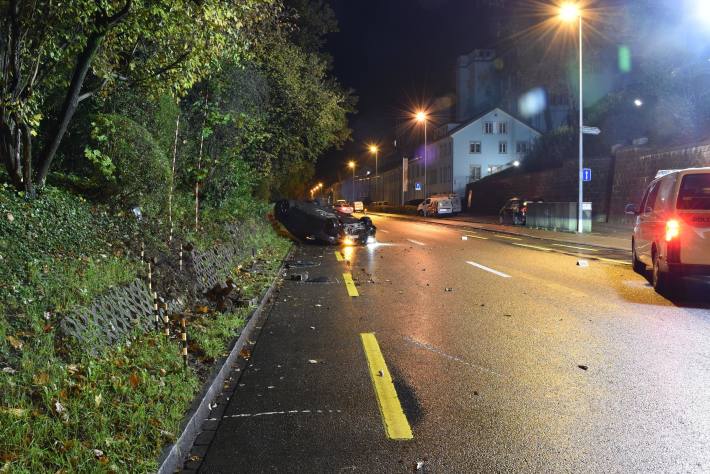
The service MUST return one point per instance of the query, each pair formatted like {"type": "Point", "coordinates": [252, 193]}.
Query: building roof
{"type": "Point", "coordinates": [480, 116]}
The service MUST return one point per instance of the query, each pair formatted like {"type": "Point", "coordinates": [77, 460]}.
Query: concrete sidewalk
{"type": "Point", "coordinates": [604, 235]}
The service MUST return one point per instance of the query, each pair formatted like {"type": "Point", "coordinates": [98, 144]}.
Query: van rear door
{"type": "Point", "coordinates": [693, 208]}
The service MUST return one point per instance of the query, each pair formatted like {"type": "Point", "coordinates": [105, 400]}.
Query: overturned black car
{"type": "Point", "coordinates": [310, 220]}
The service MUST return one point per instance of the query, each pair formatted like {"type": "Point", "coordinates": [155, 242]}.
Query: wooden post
{"type": "Point", "coordinates": [166, 319]}
{"type": "Point", "coordinates": [150, 278]}
{"type": "Point", "coordinates": [155, 311]}
{"type": "Point", "coordinates": [142, 251]}
{"type": "Point", "coordinates": [181, 249]}
{"type": "Point", "coordinates": [183, 337]}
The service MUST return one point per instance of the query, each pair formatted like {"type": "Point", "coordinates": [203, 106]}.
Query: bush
{"type": "Point", "coordinates": [129, 167]}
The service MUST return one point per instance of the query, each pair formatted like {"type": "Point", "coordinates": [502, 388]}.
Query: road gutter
{"type": "Point", "coordinates": [174, 456]}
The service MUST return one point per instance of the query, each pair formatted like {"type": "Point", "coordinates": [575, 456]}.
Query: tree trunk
{"type": "Point", "coordinates": [27, 160]}
{"type": "Point", "coordinates": [71, 101]}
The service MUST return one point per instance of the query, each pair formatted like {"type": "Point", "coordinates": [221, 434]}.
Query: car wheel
{"type": "Point", "coordinates": [638, 266]}
{"type": "Point", "coordinates": [659, 279]}
{"type": "Point", "coordinates": [420, 213]}
{"type": "Point", "coordinates": [501, 221]}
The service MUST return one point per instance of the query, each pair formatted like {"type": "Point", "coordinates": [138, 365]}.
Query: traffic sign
{"type": "Point", "coordinates": [586, 174]}
{"type": "Point", "coordinates": [591, 130]}
{"type": "Point", "coordinates": [417, 186]}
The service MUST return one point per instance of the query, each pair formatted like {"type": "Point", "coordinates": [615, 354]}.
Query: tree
{"type": "Point", "coordinates": [77, 49]}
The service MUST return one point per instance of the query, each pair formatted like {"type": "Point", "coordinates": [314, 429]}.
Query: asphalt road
{"type": "Point", "coordinates": [506, 356]}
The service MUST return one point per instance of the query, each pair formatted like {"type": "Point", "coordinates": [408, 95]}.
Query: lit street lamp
{"type": "Point", "coordinates": [422, 117]}
{"type": "Point", "coordinates": [570, 12]}
{"type": "Point", "coordinates": [375, 150]}
{"type": "Point", "coordinates": [351, 164]}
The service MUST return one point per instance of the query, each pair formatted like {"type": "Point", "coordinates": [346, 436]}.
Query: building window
{"type": "Point", "coordinates": [475, 173]}
{"type": "Point", "coordinates": [522, 147]}
{"type": "Point", "coordinates": [488, 128]}
{"type": "Point", "coordinates": [502, 128]}
{"type": "Point", "coordinates": [502, 148]}
{"type": "Point", "coordinates": [474, 147]}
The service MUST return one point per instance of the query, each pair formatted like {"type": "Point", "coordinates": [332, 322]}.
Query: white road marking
{"type": "Point", "coordinates": [507, 237]}
{"type": "Point", "coordinates": [483, 267]}
{"type": "Point", "coordinates": [611, 260]}
{"type": "Point", "coordinates": [574, 247]}
{"type": "Point", "coordinates": [383, 230]}
{"type": "Point", "coordinates": [416, 242]}
{"type": "Point", "coordinates": [435, 350]}
{"type": "Point", "coordinates": [534, 247]}
{"type": "Point", "coordinates": [476, 237]}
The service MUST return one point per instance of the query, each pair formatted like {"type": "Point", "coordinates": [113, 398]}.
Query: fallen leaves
{"type": "Point", "coordinates": [61, 411]}
{"type": "Point", "coordinates": [134, 380]}
{"type": "Point", "coordinates": [16, 412]}
{"type": "Point", "coordinates": [14, 342]}
{"type": "Point", "coordinates": [41, 378]}
{"type": "Point", "coordinates": [10, 217]}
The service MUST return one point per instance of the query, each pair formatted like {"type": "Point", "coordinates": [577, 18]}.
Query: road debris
{"type": "Point", "coordinates": [312, 361]}
{"type": "Point", "coordinates": [582, 263]}
{"type": "Point", "coordinates": [583, 367]}
{"type": "Point", "coordinates": [448, 289]}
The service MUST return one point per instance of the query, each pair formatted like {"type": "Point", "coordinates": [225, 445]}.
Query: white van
{"type": "Point", "coordinates": [455, 201]}
{"type": "Point", "coordinates": [435, 206]}
{"type": "Point", "coordinates": [672, 230]}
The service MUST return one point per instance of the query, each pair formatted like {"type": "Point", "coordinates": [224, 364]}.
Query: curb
{"type": "Point", "coordinates": [473, 225]}
{"type": "Point", "coordinates": [174, 455]}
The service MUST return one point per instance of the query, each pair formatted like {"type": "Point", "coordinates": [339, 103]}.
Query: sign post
{"type": "Point", "coordinates": [586, 175]}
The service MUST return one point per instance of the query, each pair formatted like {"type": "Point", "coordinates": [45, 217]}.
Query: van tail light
{"type": "Point", "coordinates": [673, 241]}
{"type": "Point", "coordinates": [672, 230]}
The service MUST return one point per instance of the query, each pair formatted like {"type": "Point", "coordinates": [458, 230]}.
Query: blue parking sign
{"type": "Point", "coordinates": [417, 186]}
{"type": "Point", "coordinates": [586, 174]}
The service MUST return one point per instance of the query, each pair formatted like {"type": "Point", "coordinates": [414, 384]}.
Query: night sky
{"type": "Point", "coordinates": [396, 54]}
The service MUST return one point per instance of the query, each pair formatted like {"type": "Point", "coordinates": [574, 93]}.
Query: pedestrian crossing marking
{"type": "Point", "coordinates": [395, 421]}
{"type": "Point", "coordinates": [339, 256]}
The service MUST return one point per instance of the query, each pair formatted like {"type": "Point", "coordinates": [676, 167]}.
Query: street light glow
{"type": "Point", "coordinates": [638, 102]}
{"type": "Point", "coordinates": [420, 116]}
{"type": "Point", "coordinates": [516, 163]}
{"type": "Point", "coordinates": [374, 149]}
{"type": "Point", "coordinates": [570, 12]}
{"type": "Point", "coordinates": [351, 164]}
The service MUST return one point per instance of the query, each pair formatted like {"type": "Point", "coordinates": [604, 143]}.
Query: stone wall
{"type": "Point", "coordinates": [488, 195]}
{"type": "Point", "coordinates": [616, 181]}
{"type": "Point", "coordinates": [636, 167]}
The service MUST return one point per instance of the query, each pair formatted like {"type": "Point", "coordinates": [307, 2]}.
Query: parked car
{"type": "Point", "coordinates": [435, 206]}
{"type": "Point", "coordinates": [358, 206]}
{"type": "Point", "coordinates": [513, 212]}
{"type": "Point", "coordinates": [342, 206]}
{"type": "Point", "coordinates": [381, 203]}
{"type": "Point", "coordinates": [455, 201]}
{"type": "Point", "coordinates": [672, 229]}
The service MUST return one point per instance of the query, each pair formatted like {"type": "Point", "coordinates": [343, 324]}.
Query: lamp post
{"type": "Point", "coordinates": [375, 150]}
{"type": "Point", "coordinates": [351, 165]}
{"type": "Point", "coordinates": [570, 12]}
{"type": "Point", "coordinates": [422, 117]}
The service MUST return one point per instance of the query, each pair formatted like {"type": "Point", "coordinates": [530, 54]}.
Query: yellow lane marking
{"type": "Point", "coordinates": [395, 421]}
{"type": "Point", "coordinates": [476, 237]}
{"type": "Point", "coordinates": [507, 237]}
{"type": "Point", "coordinates": [350, 284]}
{"type": "Point", "coordinates": [574, 247]}
{"type": "Point", "coordinates": [611, 260]}
{"type": "Point", "coordinates": [534, 247]}
{"type": "Point", "coordinates": [339, 256]}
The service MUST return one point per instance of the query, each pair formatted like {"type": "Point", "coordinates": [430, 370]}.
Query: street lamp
{"type": "Point", "coordinates": [375, 150]}
{"type": "Point", "coordinates": [570, 12]}
{"type": "Point", "coordinates": [351, 164]}
{"type": "Point", "coordinates": [422, 117]}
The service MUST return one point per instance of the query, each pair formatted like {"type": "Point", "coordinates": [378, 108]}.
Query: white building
{"type": "Point", "coordinates": [470, 151]}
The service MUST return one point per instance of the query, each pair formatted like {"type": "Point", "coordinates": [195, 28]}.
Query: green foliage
{"type": "Point", "coordinates": [223, 327]}
{"type": "Point", "coordinates": [130, 168]}
{"type": "Point", "coordinates": [552, 149]}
